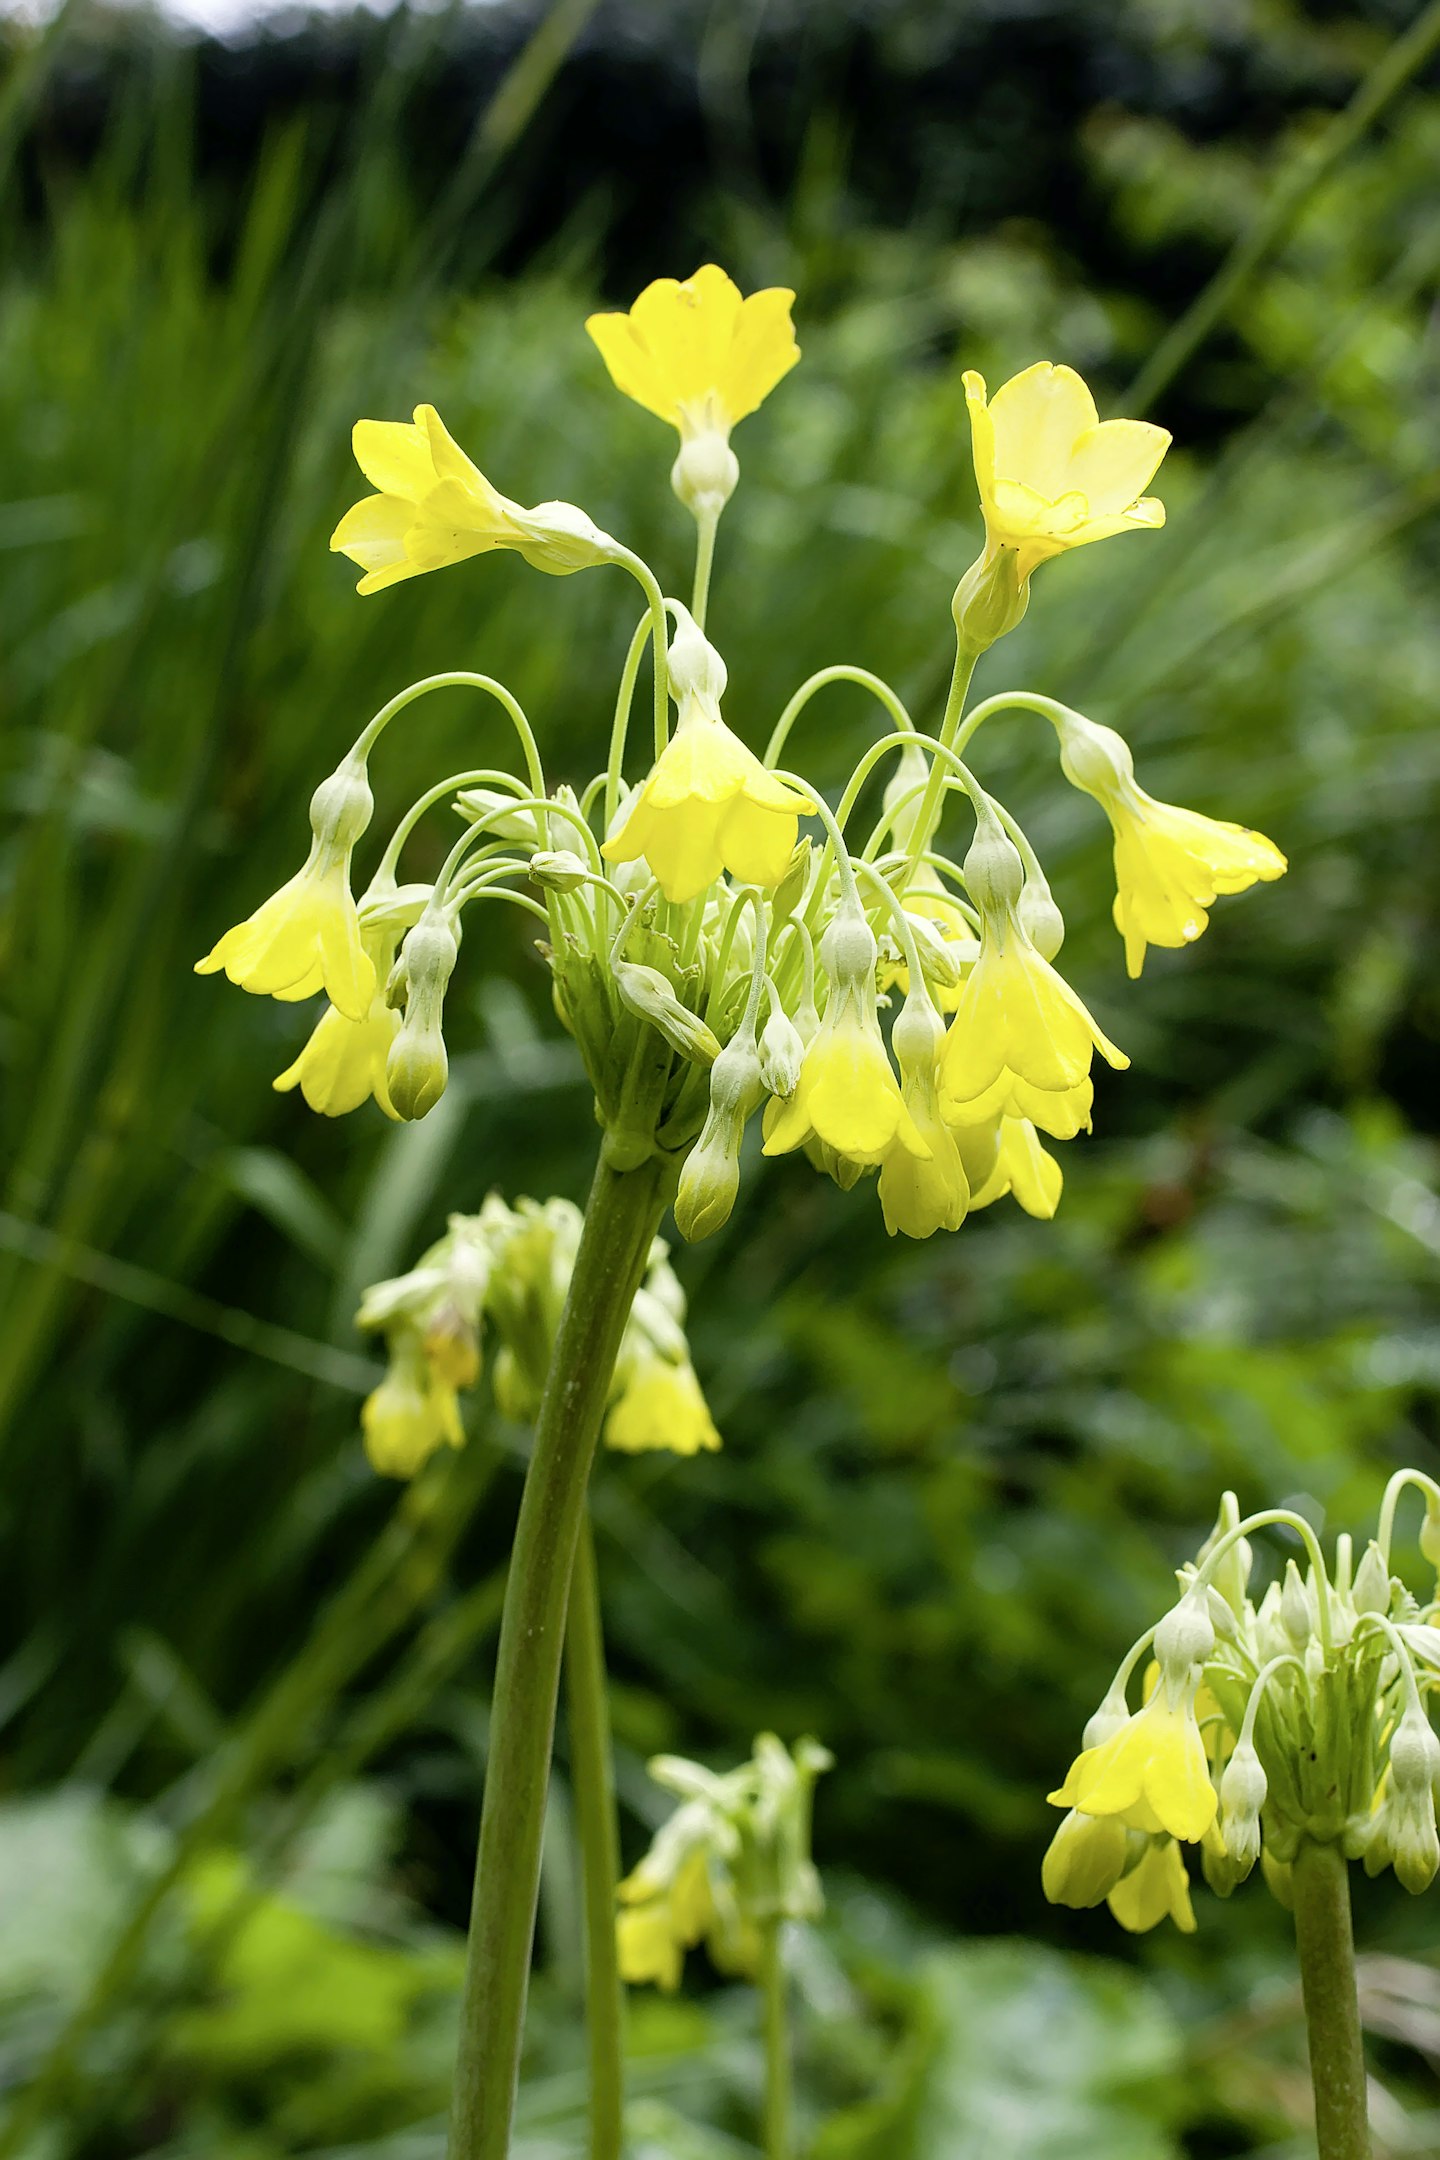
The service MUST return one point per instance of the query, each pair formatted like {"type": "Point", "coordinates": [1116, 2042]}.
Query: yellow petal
{"type": "Point", "coordinates": [1039, 417]}
{"type": "Point", "coordinates": [394, 457]}
{"type": "Point", "coordinates": [1155, 1890]}
{"type": "Point", "coordinates": [757, 843]}
{"type": "Point", "coordinates": [1114, 463]}
{"type": "Point", "coordinates": [696, 354]}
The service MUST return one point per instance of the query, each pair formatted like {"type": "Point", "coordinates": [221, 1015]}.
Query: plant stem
{"type": "Point", "coordinates": [777, 2043]}
{"type": "Point", "coordinates": [620, 1222]}
{"type": "Point", "coordinates": [1323, 1938]}
{"type": "Point", "coordinates": [704, 563]}
{"type": "Point", "coordinates": [592, 1778]}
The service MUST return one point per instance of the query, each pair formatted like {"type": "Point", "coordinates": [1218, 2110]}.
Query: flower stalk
{"type": "Point", "coordinates": [592, 1779]}
{"type": "Point", "coordinates": [1320, 1884]}
{"type": "Point", "coordinates": [621, 1219]}
{"type": "Point", "coordinates": [778, 2076]}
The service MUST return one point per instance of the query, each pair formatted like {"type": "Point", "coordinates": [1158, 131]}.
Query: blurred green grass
{"type": "Point", "coordinates": [955, 1479]}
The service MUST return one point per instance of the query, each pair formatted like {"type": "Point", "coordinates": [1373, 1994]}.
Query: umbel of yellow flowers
{"type": "Point", "coordinates": [722, 942]}
{"type": "Point", "coordinates": [1300, 1716]}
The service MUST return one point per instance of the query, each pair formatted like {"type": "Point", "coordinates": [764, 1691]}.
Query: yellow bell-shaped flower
{"type": "Point", "coordinates": [435, 507]}
{"type": "Point", "coordinates": [1009, 1159]}
{"type": "Point", "coordinates": [922, 1194]}
{"type": "Point", "coordinates": [709, 805]}
{"type": "Point", "coordinates": [1153, 1772]}
{"type": "Point", "coordinates": [661, 1406]}
{"type": "Point", "coordinates": [697, 354]}
{"type": "Point", "coordinates": [1021, 1041]}
{"type": "Point", "coordinates": [1171, 865]}
{"type": "Point", "coordinates": [1157, 1888]}
{"type": "Point", "coordinates": [662, 1919]}
{"type": "Point", "coordinates": [304, 938]}
{"type": "Point", "coordinates": [1052, 475]}
{"type": "Point", "coordinates": [411, 1414]}
{"type": "Point", "coordinates": [343, 1063]}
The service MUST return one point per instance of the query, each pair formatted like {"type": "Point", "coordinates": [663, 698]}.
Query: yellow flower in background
{"type": "Point", "coordinates": [434, 507]}
{"type": "Point", "coordinates": [662, 1406]}
{"type": "Point", "coordinates": [1153, 1773]}
{"type": "Point", "coordinates": [649, 1952]}
{"type": "Point", "coordinates": [697, 354]}
{"type": "Point", "coordinates": [1172, 864]}
{"type": "Point", "coordinates": [411, 1414]}
{"type": "Point", "coordinates": [1018, 1022]}
{"type": "Point", "coordinates": [1052, 475]}
{"type": "Point", "coordinates": [847, 1096]}
{"type": "Point", "coordinates": [1156, 1889]}
{"type": "Point", "coordinates": [343, 1063]}
{"type": "Point", "coordinates": [662, 1919]}
{"type": "Point", "coordinates": [304, 938]}
{"type": "Point", "coordinates": [710, 805]}
{"type": "Point", "coordinates": [1011, 1161]}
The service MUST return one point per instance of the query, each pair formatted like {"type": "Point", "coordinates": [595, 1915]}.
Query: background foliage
{"type": "Point", "coordinates": [244, 1688]}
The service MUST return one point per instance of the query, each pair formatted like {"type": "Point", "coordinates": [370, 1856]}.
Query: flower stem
{"type": "Point", "coordinates": [621, 1218]}
{"type": "Point", "coordinates": [1321, 1884]}
{"type": "Point", "coordinates": [777, 2043]}
{"type": "Point", "coordinates": [592, 1778]}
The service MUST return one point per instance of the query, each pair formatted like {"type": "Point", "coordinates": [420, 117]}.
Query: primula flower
{"type": "Point", "coordinates": [434, 507]}
{"type": "Point", "coordinates": [847, 1096]}
{"type": "Point", "coordinates": [922, 1194]}
{"type": "Point", "coordinates": [668, 1906]}
{"type": "Point", "coordinates": [304, 938]}
{"type": "Point", "coordinates": [709, 805]}
{"type": "Point", "coordinates": [1085, 1859]}
{"type": "Point", "coordinates": [661, 1406]}
{"type": "Point", "coordinates": [1152, 1773]}
{"type": "Point", "coordinates": [1014, 1162]}
{"type": "Point", "coordinates": [1017, 1017]}
{"type": "Point", "coordinates": [1157, 1888]}
{"type": "Point", "coordinates": [1052, 475]}
{"type": "Point", "coordinates": [697, 354]}
{"type": "Point", "coordinates": [412, 1413]}
{"type": "Point", "coordinates": [1170, 866]}
{"type": "Point", "coordinates": [343, 1063]}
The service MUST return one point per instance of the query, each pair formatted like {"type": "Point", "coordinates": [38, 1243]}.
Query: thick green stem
{"type": "Point", "coordinates": [620, 1222]}
{"type": "Point", "coordinates": [1321, 1883]}
{"type": "Point", "coordinates": [592, 1777]}
{"type": "Point", "coordinates": [777, 2043]}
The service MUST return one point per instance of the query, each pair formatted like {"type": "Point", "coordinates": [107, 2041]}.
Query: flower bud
{"type": "Point", "coordinates": [990, 599]}
{"type": "Point", "coordinates": [494, 809]}
{"type": "Point", "coordinates": [563, 539]}
{"type": "Point", "coordinates": [994, 873]}
{"type": "Point", "coordinates": [558, 870]}
{"type": "Point", "coordinates": [939, 961]}
{"type": "Point", "coordinates": [1222, 1617]}
{"type": "Point", "coordinates": [645, 992]}
{"type": "Point", "coordinates": [696, 668]}
{"type": "Point", "coordinates": [1295, 1607]}
{"type": "Point", "coordinates": [1185, 1637]}
{"type": "Point", "coordinates": [708, 1185]}
{"type": "Point", "coordinates": [1414, 1754]}
{"type": "Point", "coordinates": [1232, 1576]}
{"type": "Point", "coordinates": [1243, 1790]}
{"type": "Point", "coordinates": [781, 1050]}
{"type": "Point", "coordinates": [516, 1395]}
{"type": "Point", "coordinates": [1040, 918]}
{"type": "Point", "coordinates": [342, 806]}
{"type": "Point", "coordinates": [1430, 1531]}
{"type": "Point", "coordinates": [417, 1068]}
{"type": "Point", "coordinates": [1105, 1722]}
{"type": "Point", "coordinates": [1085, 1860]}
{"type": "Point", "coordinates": [1094, 759]}
{"type": "Point", "coordinates": [905, 794]}
{"type": "Point", "coordinates": [705, 473]}
{"type": "Point", "coordinates": [787, 894]}
{"type": "Point", "coordinates": [735, 1082]}
{"type": "Point", "coordinates": [1371, 1593]}
{"type": "Point", "coordinates": [848, 950]}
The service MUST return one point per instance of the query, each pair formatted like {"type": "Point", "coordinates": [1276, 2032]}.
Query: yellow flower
{"type": "Point", "coordinates": [847, 1096]}
{"type": "Point", "coordinates": [1021, 1168]}
{"type": "Point", "coordinates": [434, 507]}
{"type": "Point", "coordinates": [922, 1194]}
{"type": "Point", "coordinates": [647, 1947]}
{"type": "Point", "coordinates": [1152, 1773]}
{"type": "Point", "coordinates": [1085, 1859]}
{"type": "Point", "coordinates": [304, 938]}
{"type": "Point", "coordinates": [662, 1406]}
{"type": "Point", "coordinates": [412, 1413]}
{"type": "Point", "coordinates": [1157, 1888]}
{"type": "Point", "coordinates": [1019, 1030]}
{"type": "Point", "coordinates": [1052, 474]}
{"type": "Point", "coordinates": [343, 1063]}
{"type": "Point", "coordinates": [664, 1916]}
{"type": "Point", "coordinates": [1060, 1112]}
{"type": "Point", "coordinates": [1171, 864]}
{"type": "Point", "coordinates": [709, 805]}
{"type": "Point", "coordinates": [697, 354]}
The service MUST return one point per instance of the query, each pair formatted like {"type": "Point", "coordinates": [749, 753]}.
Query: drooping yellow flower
{"type": "Point", "coordinates": [1085, 1859]}
{"type": "Point", "coordinates": [648, 1950]}
{"type": "Point", "coordinates": [1170, 866]}
{"type": "Point", "coordinates": [1019, 1023]}
{"type": "Point", "coordinates": [922, 1194]}
{"type": "Point", "coordinates": [697, 354]}
{"type": "Point", "coordinates": [412, 1413]}
{"type": "Point", "coordinates": [847, 1096]}
{"type": "Point", "coordinates": [304, 938]}
{"type": "Point", "coordinates": [1010, 1160]}
{"type": "Point", "coordinates": [1052, 475]}
{"type": "Point", "coordinates": [343, 1063]}
{"type": "Point", "coordinates": [709, 805]}
{"type": "Point", "coordinates": [1157, 1888]}
{"type": "Point", "coordinates": [661, 1406]}
{"type": "Point", "coordinates": [665, 1914]}
{"type": "Point", "coordinates": [1152, 1773]}
{"type": "Point", "coordinates": [1060, 1112]}
{"type": "Point", "coordinates": [435, 507]}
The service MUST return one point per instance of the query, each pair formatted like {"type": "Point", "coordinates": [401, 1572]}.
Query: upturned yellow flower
{"type": "Point", "coordinates": [847, 1096]}
{"type": "Point", "coordinates": [697, 354]}
{"type": "Point", "coordinates": [1021, 1041]}
{"type": "Point", "coordinates": [922, 1194]}
{"type": "Point", "coordinates": [1010, 1160]}
{"type": "Point", "coordinates": [435, 507]}
{"type": "Point", "coordinates": [1157, 1888]}
{"type": "Point", "coordinates": [411, 1414]}
{"type": "Point", "coordinates": [662, 1406]}
{"type": "Point", "coordinates": [343, 1063]}
{"type": "Point", "coordinates": [1152, 1773]}
{"type": "Point", "coordinates": [1052, 475]}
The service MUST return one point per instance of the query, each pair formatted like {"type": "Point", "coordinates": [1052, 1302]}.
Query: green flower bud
{"type": "Point", "coordinates": [848, 951]}
{"type": "Point", "coordinates": [342, 806]}
{"type": "Point", "coordinates": [494, 809]}
{"type": "Point", "coordinates": [417, 1068]}
{"type": "Point", "coordinates": [1094, 759]}
{"type": "Point", "coordinates": [705, 473]}
{"type": "Point", "coordinates": [645, 992]}
{"type": "Point", "coordinates": [1371, 1593]}
{"type": "Point", "coordinates": [990, 599]}
{"type": "Point", "coordinates": [558, 870]}
{"type": "Point", "coordinates": [696, 668]}
{"type": "Point", "coordinates": [1040, 919]}
{"type": "Point", "coordinates": [994, 873]}
{"type": "Point", "coordinates": [939, 960]}
{"type": "Point", "coordinates": [786, 896]}
{"type": "Point", "coordinates": [1295, 1607]}
{"type": "Point", "coordinates": [1185, 1637]}
{"type": "Point", "coordinates": [1430, 1531]}
{"type": "Point", "coordinates": [781, 1049]}
{"type": "Point", "coordinates": [1243, 1790]}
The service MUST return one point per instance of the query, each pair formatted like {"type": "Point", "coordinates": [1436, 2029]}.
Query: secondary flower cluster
{"type": "Point", "coordinates": [732, 1862]}
{"type": "Point", "coordinates": [1302, 1717]}
{"type": "Point", "coordinates": [722, 941]}
{"type": "Point", "coordinates": [510, 1267]}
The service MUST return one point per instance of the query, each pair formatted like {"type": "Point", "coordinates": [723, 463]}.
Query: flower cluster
{"type": "Point", "coordinates": [732, 1862]}
{"type": "Point", "coordinates": [723, 942]}
{"type": "Point", "coordinates": [509, 1267]}
{"type": "Point", "coordinates": [1300, 1717]}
